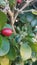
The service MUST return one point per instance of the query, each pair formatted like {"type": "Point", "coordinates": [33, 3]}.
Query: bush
{"type": "Point", "coordinates": [18, 32]}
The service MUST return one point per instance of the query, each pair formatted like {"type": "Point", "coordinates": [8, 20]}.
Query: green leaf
{"type": "Point", "coordinates": [12, 36]}
{"type": "Point", "coordinates": [12, 53]}
{"type": "Point", "coordinates": [33, 56]}
{"type": "Point", "coordinates": [34, 47]}
{"type": "Point", "coordinates": [29, 17]}
{"type": "Point", "coordinates": [29, 28]}
{"type": "Point", "coordinates": [13, 41]}
{"type": "Point", "coordinates": [34, 12]}
{"type": "Point", "coordinates": [23, 18]}
{"type": "Point", "coordinates": [2, 3]}
{"type": "Point", "coordinates": [18, 39]}
{"type": "Point", "coordinates": [7, 26]}
{"type": "Point", "coordinates": [35, 30]}
{"type": "Point", "coordinates": [25, 51]}
{"type": "Point", "coordinates": [34, 63]}
{"type": "Point", "coordinates": [34, 22]}
{"type": "Point", "coordinates": [0, 40]}
{"type": "Point", "coordinates": [4, 61]}
{"type": "Point", "coordinates": [3, 19]}
{"type": "Point", "coordinates": [12, 3]}
{"type": "Point", "coordinates": [5, 47]}
{"type": "Point", "coordinates": [29, 39]}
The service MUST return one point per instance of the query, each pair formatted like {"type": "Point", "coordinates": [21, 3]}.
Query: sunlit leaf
{"type": "Point", "coordinates": [5, 61]}
{"type": "Point", "coordinates": [25, 51]}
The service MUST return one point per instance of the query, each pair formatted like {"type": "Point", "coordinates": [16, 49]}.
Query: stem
{"type": "Point", "coordinates": [12, 19]}
{"type": "Point", "coordinates": [16, 16]}
{"type": "Point", "coordinates": [25, 5]}
{"type": "Point", "coordinates": [27, 10]}
{"type": "Point", "coordinates": [12, 23]}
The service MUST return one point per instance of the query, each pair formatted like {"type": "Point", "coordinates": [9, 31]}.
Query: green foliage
{"type": "Point", "coordinates": [19, 48]}
{"type": "Point", "coordinates": [2, 3]}
{"type": "Point", "coordinates": [12, 3]}
{"type": "Point", "coordinates": [25, 51]}
{"type": "Point", "coordinates": [5, 46]}
{"type": "Point", "coordinates": [12, 54]}
{"type": "Point", "coordinates": [3, 19]}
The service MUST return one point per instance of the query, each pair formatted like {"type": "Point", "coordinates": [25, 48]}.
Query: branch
{"type": "Point", "coordinates": [25, 10]}
{"type": "Point", "coordinates": [11, 14]}
{"type": "Point", "coordinates": [12, 19]}
{"type": "Point", "coordinates": [25, 5]}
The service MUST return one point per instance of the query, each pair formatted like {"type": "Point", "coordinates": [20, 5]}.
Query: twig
{"type": "Point", "coordinates": [11, 14]}
{"type": "Point", "coordinates": [16, 16]}
{"type": "Point", "coordinates": [25, 10]}
{"type": "Point", "coordinates": [12, 19]}
{"type": "Point", "coordinates": [25, 5]}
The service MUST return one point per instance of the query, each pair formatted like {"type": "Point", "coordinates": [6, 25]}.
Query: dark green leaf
{"type": "Point", "coordinates": [12, 3]}
{"type": "Point", "coordinates": [12, 53]}
{"type": "Point", "coordinates": [34, 22]}
{"type": "Point", "coordinates": [3, 19]}
{"type": "Point", "coordinates": [5, 47]}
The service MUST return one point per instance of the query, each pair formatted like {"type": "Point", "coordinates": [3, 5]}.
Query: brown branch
{"type": "Point", "coordinates": [10, 13]}
{"type": "Point", "coordinates": [30, 10]}
{"type": "Point", "coordinates": [12, 19]}
{"type": "Point", "coordinates": [25, 5]}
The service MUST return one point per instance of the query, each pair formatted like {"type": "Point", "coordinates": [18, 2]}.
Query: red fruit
{"type": "Point", "coordinates": [19, 1]}
{"type": "Point", "coordinates": [6, 31]}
